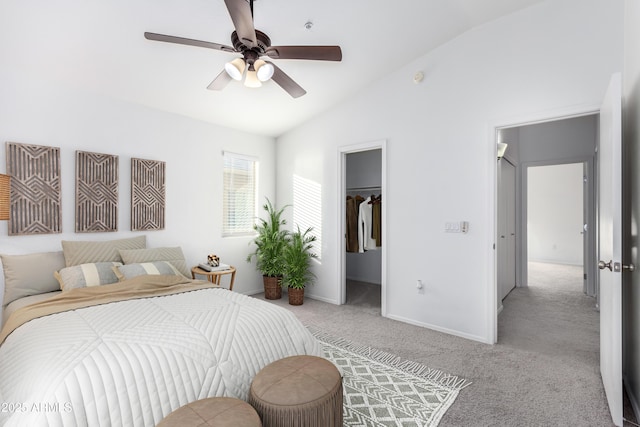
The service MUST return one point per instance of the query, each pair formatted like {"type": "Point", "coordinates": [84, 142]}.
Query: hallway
{"type": "Point", "coordinates": [552, 316]}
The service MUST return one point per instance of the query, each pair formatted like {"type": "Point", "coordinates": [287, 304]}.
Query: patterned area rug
{"type": "Point", "coordinates": [380, 389]}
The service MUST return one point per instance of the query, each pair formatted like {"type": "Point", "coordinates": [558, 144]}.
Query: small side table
{"type": "Point", "coordinates": [214, 276]}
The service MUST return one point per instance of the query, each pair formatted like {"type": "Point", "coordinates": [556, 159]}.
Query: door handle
{"type": "Point", "coordinates": [602, 265]}
{"type": "Point", "coordinates": [615, 266]}
{"type": "Point", "coordinates": [618, 267]}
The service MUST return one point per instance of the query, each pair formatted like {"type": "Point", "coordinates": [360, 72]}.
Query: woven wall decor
{"type": "Point", "coordinates": [5, 199]}
{"type": "Point", "coordinates": [96, 192]}
{"type": "Point", "coordinates": [35, 189]}
{"type": "Point", "coordinates": [147, 194]}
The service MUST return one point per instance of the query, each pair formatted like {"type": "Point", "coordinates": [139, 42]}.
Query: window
{"type": "Point", "coordinates": [240, 182]}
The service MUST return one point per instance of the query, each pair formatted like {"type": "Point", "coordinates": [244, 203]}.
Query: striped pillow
{"type": "Point", "coordinates": [85, 275]}
{"type": "Point", "coordinates": [173, 255]}
{"type": "Point", "coordinates": [130, 271]}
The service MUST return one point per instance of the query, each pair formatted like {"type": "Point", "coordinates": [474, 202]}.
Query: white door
{"type": "Point", "coordinates": [610, 246]}
{"type": "Point", "coordinates": [506, 229]}
{"type": "Point", "coordinates": [585, 229]}
{"type": "Point", "coordinates": [511, 229]}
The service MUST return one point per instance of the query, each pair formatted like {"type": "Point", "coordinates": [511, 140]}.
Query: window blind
{"type": "Point", "coordinates": [239, 193]}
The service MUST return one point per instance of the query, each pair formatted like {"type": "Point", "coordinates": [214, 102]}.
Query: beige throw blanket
{"type": "Point", "coordinates": [138, 287]}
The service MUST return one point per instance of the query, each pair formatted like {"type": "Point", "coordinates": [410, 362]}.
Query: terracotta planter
{"type": "Point", "coordinates": [296, 296]}
{"type": "Point", "coordinates": [272, 287]}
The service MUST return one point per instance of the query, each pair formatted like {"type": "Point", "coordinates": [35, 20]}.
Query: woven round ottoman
{"type": "Point", "coordinates": [298, 391]}
{"type": "Point", "coordinates": [213, 411]}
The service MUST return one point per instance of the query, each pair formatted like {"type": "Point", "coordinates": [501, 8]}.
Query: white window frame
{"type": "Point", "coordinates": [247, 219]}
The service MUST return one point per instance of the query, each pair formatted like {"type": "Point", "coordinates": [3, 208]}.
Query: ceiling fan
{"type": "Point", "coordinates": [253, 45]}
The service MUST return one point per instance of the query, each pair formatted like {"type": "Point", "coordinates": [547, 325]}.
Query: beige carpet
{"type": "Point", "coordinates": [543, 372]}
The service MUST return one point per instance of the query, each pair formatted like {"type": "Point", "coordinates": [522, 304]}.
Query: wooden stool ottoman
{"type": "Point", "coordinates": [298, 391]}
{"type": "Point", "coordinates": [213, 411]}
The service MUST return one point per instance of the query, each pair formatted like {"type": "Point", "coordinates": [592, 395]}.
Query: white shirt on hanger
{"type": "Point", "coordinates": [365, 222]}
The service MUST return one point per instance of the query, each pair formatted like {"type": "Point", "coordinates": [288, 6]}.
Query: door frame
{"type": "Point", "coordinates": [342, 220]}
{"type": "Point", "coordinates": [589, 164]}
{"type": "Point", "coordinates": [491, 296]}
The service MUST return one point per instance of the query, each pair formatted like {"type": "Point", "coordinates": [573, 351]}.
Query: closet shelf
{"type": "Point", "coordinates": [369, 188]}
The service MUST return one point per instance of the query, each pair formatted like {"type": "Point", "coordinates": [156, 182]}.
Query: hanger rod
{"type": "Point", "coordinates": [372, 187]}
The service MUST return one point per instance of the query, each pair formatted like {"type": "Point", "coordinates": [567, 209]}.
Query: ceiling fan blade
{"type": "Point", "coordinates": [189, 42]}
{"type": "Point", "coordinates": [220, 82]}
{"type": "Point", "coordinates": [242, 17]}
{"type": "Point", "coordinates": [286, 82]}
{"type": "Point", "coordinates": [318, 53]}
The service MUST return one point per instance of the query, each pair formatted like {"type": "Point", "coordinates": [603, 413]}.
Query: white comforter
{"type": "Point", "coordinates": [131, 363]}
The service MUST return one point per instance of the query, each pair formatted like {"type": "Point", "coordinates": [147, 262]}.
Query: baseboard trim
{"type": "Point", "coordinates": [635, 404]}
{"type": "Point", "coordinates": [327, 300]}
{"type": "Point", "coordinates": [284, 291]}
{"type": "Point", "coordinates": [252, 292]}
{"type": "Point", "coordinates": [440, 329]}
{"type": "Point", "coordinates": [364, 280]}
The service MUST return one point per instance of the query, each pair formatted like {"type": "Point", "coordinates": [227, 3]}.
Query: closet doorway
{"type": "Point", "coordinates": [363, 217]}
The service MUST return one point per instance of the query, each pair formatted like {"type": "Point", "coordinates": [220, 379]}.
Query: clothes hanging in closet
{"type": "Point", "coordinates": [363, 223]}
{"type": "Point", "coordinates": [376, 228]}
{"type": "Point", "coordinates": [353, 205]}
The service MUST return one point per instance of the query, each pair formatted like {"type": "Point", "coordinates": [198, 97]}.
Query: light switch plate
{"type": "Point", "coordinates": [456, 227]}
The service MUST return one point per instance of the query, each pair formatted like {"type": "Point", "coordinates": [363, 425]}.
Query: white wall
{"type": "Point", "coordinates": [36, 111]}
{"type": "Point", "coordinates": [555, 211]}
{"type": "Point", "coordinates": [441, 151]}
{"type": "Point", "coordinates": [631, 197]}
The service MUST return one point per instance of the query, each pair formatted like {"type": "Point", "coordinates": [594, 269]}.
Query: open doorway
{"type": "Point", "coordinates": [554, 213]}
{"type": "Point", "coordinates": [552, 314]}
{"type": "Point", "coordinates": [363, 218]}
{"type": "Point", "coordinates": [556, 220]}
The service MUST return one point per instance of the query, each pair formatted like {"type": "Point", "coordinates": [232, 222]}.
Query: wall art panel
{"type": "Point", "coordinates": [35, 189]}
{"type": "Point", "coordinates": [147, 194]}
{"type": "Point", "coordinates": [96, 192]}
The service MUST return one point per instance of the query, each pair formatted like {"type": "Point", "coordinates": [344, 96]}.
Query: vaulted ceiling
{"type": "Point", "coordinates": [99, 46]}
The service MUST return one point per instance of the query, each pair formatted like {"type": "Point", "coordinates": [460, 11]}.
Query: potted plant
{"type": "Point", "coordinates": [270, 244]}
{"type": "Point", "coordinates": [297, 264]}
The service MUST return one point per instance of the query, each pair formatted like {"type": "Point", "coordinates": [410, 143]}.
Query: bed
{"type": "Point", "coordinates": [130, 352]}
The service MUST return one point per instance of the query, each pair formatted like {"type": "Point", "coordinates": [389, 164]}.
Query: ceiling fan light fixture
{"type": "Point", "coordinates": [250, 44]}
{"type": "Point", "coordinates": [235, 68]}
{"type": "Point", "coordinates": [264, 70]}
{"type": "Point", "coordinates": [251, 80]}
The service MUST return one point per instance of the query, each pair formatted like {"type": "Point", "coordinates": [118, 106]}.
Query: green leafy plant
{"type": "Point", "coordinates": [270, 242]}
{"type": "Point", "coordinates": [297, 259]}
